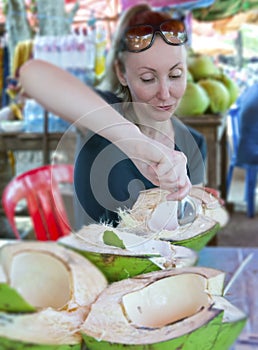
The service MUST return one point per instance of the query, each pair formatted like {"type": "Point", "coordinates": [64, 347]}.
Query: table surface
{"type": "Point", "coordinates": [243, 292]}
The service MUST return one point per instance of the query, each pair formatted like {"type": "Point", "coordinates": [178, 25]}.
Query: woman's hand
{"type": "Point", "coordinates": [162, 166]}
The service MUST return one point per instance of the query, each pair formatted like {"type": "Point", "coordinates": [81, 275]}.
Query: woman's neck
{"type": "Point", "coordinates": [162, 132]}
{"type": "Point", "coordinates": [159, 131]}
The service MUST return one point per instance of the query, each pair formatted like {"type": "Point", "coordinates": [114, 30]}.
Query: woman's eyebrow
{"type": "Point", "coordinates": [175, 65]}
{"type": "Point", "coordinates": [154, 70]}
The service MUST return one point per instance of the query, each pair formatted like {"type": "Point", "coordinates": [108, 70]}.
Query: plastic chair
{"type": "Point", "coordinates": [243, 156]}
{"type": "Point", "coordinates": [40, 187]}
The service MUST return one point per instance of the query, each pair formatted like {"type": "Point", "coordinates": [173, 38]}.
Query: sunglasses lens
{"type": "Point", "coordinates": [174, 32]}
{"type": "Point", "coordinates": [138, 38]}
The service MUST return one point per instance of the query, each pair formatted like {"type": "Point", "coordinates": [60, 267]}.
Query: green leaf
{"type": "Point", "coordinates": [111, 238]}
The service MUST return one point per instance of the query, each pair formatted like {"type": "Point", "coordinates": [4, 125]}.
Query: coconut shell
{"type": "Point", "coordinates": [108, 327]}
{"type": "Point", "coordinates": [141, 254]}
{"type": "Point", "coordinates": [40, 273]}
{"type": "Point", "coordinates": [209, 218]}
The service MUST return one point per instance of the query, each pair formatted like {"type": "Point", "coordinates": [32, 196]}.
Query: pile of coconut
{"type": "Point", "coordinates": [52, 297]}
{"type": "Point", "coordinates": [209, 90]}
{"type": "Point", "coordinates": [125, 287]}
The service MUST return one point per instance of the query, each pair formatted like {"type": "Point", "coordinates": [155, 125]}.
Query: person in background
{"type": "Point", "coordinates": [128, 138]}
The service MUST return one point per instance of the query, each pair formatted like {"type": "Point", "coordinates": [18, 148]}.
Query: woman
{"type": "Point", "coordinates": [145, 81]}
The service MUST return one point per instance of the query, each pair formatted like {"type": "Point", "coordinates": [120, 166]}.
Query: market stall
{"type": "Point", "coordinates": [141, 284]}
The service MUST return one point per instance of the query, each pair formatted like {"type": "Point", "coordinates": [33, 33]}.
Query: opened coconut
{"type": "Point", "coordinates": [121, 254]}
{"type": "Point", "coordinates": [170, 309]}
{"type": "Point", "coordinates": [45, 294]}
{"type": "Point", "coordinates": [153, 214]}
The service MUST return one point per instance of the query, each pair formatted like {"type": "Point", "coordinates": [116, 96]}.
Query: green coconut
{"type": "Point", "coordinates": [218, 94]}
{"type": "Point", "coordinates": [159, 311]}
{"type": "Point", "coordinates": [231, 86]}
{"type": "Point", "coordinates": [202, 66]}
{"type": "Point", "coordinates": [56, 287]}
{"type": "Point", "coordinates": [12, 301]}
{"type": "Point", "coordinates": [189, 76]}
{"type": "Point", "coordinates": [151, 215]}
{"type": "Point", "coordinates": [123, 254]}
{"type": "Point", "coordinates": [195, 101]}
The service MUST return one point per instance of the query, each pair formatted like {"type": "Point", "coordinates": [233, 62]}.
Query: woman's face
{"type": "Point", "coordinates": [156, 76]}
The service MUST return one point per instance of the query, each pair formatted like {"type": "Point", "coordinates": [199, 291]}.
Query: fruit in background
{"type": "Point", "coordinates": [202, 66]}
{"type": "Point", "coordinates": [195, 100]}
{"type": "Point", "coordinates": [231, 85]}
{"type": "Point", "coordinates": [159, 311]}
{"type": "Point", "coordinates": [218, 94]}
{"type": "Point", "coordinates": [189, 76]}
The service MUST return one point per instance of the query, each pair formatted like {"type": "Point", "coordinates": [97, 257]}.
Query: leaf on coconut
{"type": "Point", "coordinates": [111, 238]}
{"type": "Point", "coordinates": [12, 301]}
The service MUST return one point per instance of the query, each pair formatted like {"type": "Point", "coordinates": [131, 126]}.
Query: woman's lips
{"type": "Point", "coordinates": [165, 108]}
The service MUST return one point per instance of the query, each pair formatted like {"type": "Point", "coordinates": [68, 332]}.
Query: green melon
{"type": "Point", "coordinates": [159, 311]}
{"type": "Point", "coordinates": [52, 296]}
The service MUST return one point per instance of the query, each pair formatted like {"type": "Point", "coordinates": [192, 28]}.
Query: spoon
{"type": "Point", "coordinates": [186, 211]}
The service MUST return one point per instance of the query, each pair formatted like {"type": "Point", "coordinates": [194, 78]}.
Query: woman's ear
{"type": "Point", "coordinates": [120, 73]}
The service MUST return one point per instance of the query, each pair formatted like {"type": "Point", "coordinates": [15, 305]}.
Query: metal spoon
{"type": "Point", "coordinates": [186, 211]}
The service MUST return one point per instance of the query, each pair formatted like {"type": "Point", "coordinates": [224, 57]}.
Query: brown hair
{"type": "Point", "coordinates": [139, 14]}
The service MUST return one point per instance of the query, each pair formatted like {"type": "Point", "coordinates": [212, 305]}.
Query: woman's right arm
{"type": "Point", "coordinates": [64, 95]}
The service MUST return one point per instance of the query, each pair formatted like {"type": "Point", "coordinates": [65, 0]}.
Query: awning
{"type": "Point", "coordinates": [221, 9]}
{"type": "Point", "coordinates": [161, 4]}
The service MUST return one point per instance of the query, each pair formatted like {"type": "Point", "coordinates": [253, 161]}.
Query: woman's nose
{"type": "Point", "coordinates": [163, 90]}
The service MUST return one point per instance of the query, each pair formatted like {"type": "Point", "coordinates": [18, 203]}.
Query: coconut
{"type": "Point", "coordinates": [189, 76]}
{"type": "Point", "coordinates": [158, 310]}
{"type": "Point", "coordinates": [46, 292]}
{"type": "Point", "coordinates": [202, 66]}
{"type": "Point", "coordinates": [218, 94]}
{"type": "Point", "coordinates": [209, 217]}
{"type": "Point", "coordinates": [231, 86]}
{"type": "Point", "coordinates": [121, 254]}
{"type": "Point", "coordinates": [195, 101]}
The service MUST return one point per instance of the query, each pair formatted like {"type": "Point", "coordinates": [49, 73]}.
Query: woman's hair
{"type": "Point", "coordinates": [139, 14]}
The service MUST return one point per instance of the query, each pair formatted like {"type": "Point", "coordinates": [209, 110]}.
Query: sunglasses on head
{"type": "Point", "coordinates": [141, 37]}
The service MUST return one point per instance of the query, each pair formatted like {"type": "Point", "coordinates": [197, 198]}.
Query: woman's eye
{"type": "Point", "coordinates": [147, 80]}
{"type": "Point", "coordinates": [176, 73]}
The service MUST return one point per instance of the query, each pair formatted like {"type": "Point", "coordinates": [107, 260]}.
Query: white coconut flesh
{"type": "Point", "coordinates": [152, 213]}
{"type": "Point", "coordinates": [156, 307]}
{"type": "Point", "coordinates": [60, 283]}
{"type": "Point", "coordinates": [47, 326]}
{"type": "Point", "coordinates": [168, 300]}
{"type": "Point", "coordinates": [41, 279]}
{"type": "Point", "coordinates": [164, 217]}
